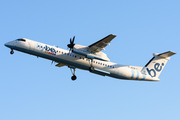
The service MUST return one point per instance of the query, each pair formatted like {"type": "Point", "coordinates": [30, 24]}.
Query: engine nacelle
{"type": "Point", "coordinates": [83, 50]}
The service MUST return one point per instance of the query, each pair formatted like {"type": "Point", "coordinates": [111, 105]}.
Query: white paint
{"type": "Point", "coordinates": [63, 57]}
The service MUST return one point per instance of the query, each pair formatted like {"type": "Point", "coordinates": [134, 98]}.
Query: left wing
{"type": "Point", "coordinates": [101, 44]}
{"type": "Point", "coordinates": [60, 65]}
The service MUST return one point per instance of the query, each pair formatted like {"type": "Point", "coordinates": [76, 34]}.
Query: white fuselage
{"type": "Point", "coordinates": [67, 58]}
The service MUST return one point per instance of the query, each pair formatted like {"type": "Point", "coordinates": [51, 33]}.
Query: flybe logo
{"type": "Point", "coordinates": [157, 68]}
{"type": "Point", "coordinates": [47, 49]}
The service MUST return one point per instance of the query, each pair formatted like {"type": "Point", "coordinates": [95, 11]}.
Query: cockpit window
{"type": "Point", "coordinates": [21, 40]}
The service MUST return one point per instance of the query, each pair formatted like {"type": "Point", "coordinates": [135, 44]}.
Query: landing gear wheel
{"type": "Point", "coordinates": [73, 70]}
{"type": "Point", "coordinates": [12, 52]}
{"type": "Point", "coordinates": [73, 77]}
{"type": "Point", "coordinates": [91, 69]}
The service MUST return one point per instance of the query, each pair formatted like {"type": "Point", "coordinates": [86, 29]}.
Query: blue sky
{"type": "Point", "coordinates": [33, 89]}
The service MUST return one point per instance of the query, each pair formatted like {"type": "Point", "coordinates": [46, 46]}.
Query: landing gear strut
{"type": "Point", "coordinates": [73, 70]}
{"type": "Point", "coordinates": [12, 52]}
{"type": "Point", "coordinates": [91, 68]}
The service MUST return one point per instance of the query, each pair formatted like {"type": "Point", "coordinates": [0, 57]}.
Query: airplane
{"type": "Point", "coordinates": [92, 58]}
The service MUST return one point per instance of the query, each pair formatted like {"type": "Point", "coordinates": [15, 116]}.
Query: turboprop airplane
{"type": "Point", "coordinates": [91, 58]}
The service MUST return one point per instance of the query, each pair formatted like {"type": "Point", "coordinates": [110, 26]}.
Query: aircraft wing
{"type": "Point", "coordinates": [60, 65]}
{"type": "Point", "coordinates": [101, 44]}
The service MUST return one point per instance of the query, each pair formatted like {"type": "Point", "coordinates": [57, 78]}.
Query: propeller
{"type": "Point", "coordinates": [71, 45]}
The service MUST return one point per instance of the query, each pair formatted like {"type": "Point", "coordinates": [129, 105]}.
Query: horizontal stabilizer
{"type": "Point", "coordinates": [166, 54]}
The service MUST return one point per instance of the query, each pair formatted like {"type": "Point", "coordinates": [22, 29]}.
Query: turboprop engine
{"type": "Point", "coordinates": [83, 50]}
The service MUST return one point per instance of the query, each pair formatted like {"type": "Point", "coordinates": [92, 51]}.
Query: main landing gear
{"type": "Point", "coordinates": [91, 68]}
{"type": "Point", "coordinates": [73, 70]}
{"type": "Point", "coordinates": [12, 52]}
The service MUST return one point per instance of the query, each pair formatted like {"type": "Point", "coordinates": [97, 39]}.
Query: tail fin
{"type": "Point", "coordinates": [155, 66]}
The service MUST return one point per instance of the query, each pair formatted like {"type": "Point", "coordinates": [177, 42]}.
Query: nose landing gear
{"type": "Point", "coordinates": [73, 70]}
{"type": "Point", "coordinates": [12, 52]}
{"type": "Point", "coordinates": [73, 77]}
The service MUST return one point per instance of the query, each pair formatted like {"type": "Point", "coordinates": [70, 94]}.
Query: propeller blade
{"type": "Point", "coordinates": [71, 45]}
{"type": "Point", "coordinates": [73, 39]}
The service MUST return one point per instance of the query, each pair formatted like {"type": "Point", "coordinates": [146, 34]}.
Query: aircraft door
{"type": "Point", "coordinates": [30, 46]}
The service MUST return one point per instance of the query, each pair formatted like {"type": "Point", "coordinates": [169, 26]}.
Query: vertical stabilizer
{"type": "Point", "coordinates": [155, 66]}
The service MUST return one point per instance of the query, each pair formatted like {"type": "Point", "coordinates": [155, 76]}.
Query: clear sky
{"type": "Point", "coordinates": [33, 89]}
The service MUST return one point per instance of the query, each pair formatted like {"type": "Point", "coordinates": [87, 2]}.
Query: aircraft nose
{"type": "Point", "coordinates": [9, 44]}
{"type": "Point", "coordinates": [6, 44]}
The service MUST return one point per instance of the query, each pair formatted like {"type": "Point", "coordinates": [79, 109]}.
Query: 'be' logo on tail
{"type": "Point", "coordinates": [157, 67]}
